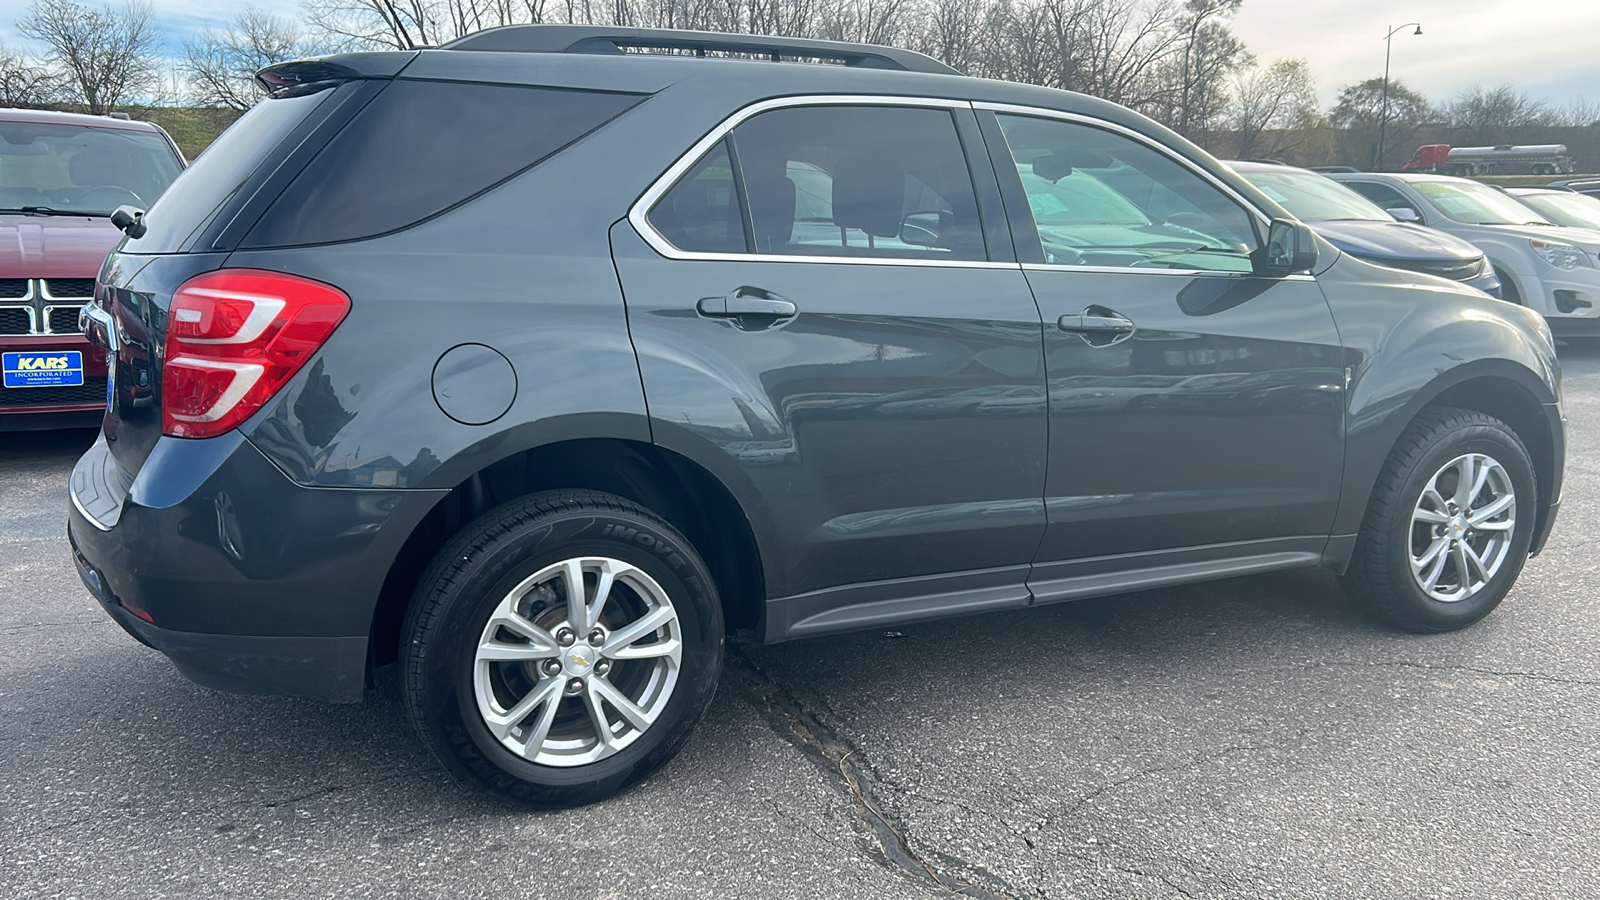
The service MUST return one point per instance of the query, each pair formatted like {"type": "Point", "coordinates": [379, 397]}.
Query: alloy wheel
{"type": "Point", "coordinates": [577, 661]}
{"type": "Point", "coordinates": [1461, 527]}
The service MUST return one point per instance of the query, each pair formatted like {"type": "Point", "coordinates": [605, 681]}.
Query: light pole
{"type": "Point", "coordinates": [1383, 110]}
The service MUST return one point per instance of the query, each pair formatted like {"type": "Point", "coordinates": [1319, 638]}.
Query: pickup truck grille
{"type": "Point", "coordinates": [42, 305]}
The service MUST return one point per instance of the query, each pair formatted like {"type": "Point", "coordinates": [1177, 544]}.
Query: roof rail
{"type": "Point", "coordinates": [606, 39]}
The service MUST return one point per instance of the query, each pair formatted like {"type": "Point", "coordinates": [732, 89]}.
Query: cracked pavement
{"type": "Point", "coordinates": [1241, 739]}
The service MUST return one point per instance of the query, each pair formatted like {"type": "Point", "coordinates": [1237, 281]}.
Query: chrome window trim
{"type": "Point", "coordinates": [1135, 270]}
{"type": "Point", "coordinates": [1123, 130]}
{"type": "Point", "coordinates": [638, 214]}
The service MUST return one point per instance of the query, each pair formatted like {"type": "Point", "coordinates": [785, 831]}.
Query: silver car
{"type": "Point", "coordinates": [1547, 267]}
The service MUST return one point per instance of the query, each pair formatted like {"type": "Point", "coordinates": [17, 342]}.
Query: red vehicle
{"type": "Point", "coordinates": [61, 176]}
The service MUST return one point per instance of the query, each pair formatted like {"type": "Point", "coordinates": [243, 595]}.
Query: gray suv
{"type": "Point", "coordinates": [540, 362]}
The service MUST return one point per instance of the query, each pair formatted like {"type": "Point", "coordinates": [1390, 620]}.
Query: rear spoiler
{"type": "Point", "coordinates": [296, 75]}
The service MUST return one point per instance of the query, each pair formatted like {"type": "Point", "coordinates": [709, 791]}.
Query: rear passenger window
{"type": "Point", "coordinates": [867, 181]}
{"type": "Point", "coordinates": [421, 147]}
{"type": "Point", "coordinates": [701, 212]}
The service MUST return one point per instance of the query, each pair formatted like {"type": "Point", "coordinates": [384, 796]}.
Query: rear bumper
{"type": "Point", "coordinates": [247, 581]}
{"type": "Point", "coordinates": [321, 668]}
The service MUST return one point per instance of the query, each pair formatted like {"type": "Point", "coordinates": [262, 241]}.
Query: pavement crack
{"type": "Point", "coordinates": [836, 754]}
{"type": "Point", "coordinates": [334, 789]}
{"type": "Point", "coordinates": [1129, 870]}
{"type": "Point", "coordinates": [1110, 786]}
{"type": "Point", "coordinates": [1475, 670]}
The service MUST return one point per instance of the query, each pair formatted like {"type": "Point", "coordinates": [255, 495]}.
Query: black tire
{"type": "Point", "coordinates": [478, 568]}
{"type": "Point", "coordinates": [1379, 579]}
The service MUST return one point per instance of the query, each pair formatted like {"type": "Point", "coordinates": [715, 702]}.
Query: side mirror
{"type": "Point", "coordinates": [924, 227]}
{"type": "Point", "coordinates": [1404, 214]}
{"type": "Point", "coordinates": [130, 220]}
{"type": "Point", "coordinates": [1290, 248]}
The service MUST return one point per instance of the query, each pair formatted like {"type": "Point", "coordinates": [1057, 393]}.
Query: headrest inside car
{"type": "Point", "coordinates": [869, 194]}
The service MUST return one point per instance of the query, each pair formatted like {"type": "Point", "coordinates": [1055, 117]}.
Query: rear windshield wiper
{"type": "Point", "coordinates": [50, 211]}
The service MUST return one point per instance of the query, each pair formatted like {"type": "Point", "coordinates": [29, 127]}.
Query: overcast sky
{"type": "Point", "coordinates": [1547, 48]}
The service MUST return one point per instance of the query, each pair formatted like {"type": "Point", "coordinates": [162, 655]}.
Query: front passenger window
{"type": "Point", "coordinates": [1102, 199]}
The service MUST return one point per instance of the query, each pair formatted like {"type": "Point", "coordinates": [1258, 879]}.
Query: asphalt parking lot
{"type": "Point", "coordinates": [1253, 738]}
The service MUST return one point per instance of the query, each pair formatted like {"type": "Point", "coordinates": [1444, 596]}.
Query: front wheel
{"type": "Point", "coordinates": [1448, 526]}
{"type": "Point", "coordinates": [561, 648]}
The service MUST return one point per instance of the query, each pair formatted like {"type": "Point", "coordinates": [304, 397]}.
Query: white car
{"type": "Point", "coordinates": [1549, 268]}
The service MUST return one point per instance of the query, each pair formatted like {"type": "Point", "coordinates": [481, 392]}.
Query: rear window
{"type": "Point", "coordinates": [421, 147]}
{"type": "Point", "coordinates": [72, 168]}
{"type": "Point", "coordinates": [218, 173]}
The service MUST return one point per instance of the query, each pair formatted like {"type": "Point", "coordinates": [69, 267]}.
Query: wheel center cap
{"type": "Point", "coordinates": [1458, 525]}
{"type": "Point", "coordinates": [579, 660]}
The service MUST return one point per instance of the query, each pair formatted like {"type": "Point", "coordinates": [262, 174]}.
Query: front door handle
{"type": "Point", "coordinates": [1092, 324]}
{"type": "Point", "coordinates": [747, 301]}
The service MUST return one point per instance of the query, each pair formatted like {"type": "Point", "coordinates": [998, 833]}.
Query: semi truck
{"type": "Point", "coordinates": [1539, 159]}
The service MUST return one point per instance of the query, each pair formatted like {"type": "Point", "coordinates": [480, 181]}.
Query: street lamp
{"type": "Point", "coordinates": [1383, 112]}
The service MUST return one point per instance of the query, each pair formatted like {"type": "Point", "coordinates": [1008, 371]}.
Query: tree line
{"type": "Point", "coordinates": [1178, 61]}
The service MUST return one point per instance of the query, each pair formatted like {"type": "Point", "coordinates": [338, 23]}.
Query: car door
{"type": "Point", "coordinates": [828, 315]}
{"type": "Point", "coordinates": [1196, 414]}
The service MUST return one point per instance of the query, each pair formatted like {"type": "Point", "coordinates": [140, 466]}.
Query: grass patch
{"type": "Point", "coordinates": [193, 128]}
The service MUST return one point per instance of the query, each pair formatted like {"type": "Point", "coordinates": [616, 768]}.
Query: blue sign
{"type": "Point", "coordinates": [52, 368]}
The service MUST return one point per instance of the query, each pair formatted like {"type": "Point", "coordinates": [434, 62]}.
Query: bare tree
{"type": "Point", "coordinates": [1210, 53]}
{"type": "Point", "coordinates": [108, 56]}
{"type": "Point", "coordinates": [24, 82]}
{"type": "Point", "coordinates": [220, 64]}
{"type": "Point", "coordinates": [1582, 112]}
{"type": "Point", "coordinates": [1273, 110]}
{"type": "Point", "coordinates": [1494, 116]}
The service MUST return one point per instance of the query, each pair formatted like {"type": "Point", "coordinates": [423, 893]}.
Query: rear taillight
{"type": "Point", "coordinates": [234, 337]}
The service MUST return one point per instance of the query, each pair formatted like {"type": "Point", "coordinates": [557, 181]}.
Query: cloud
{"type": "Point", "coordinates": [1545, 49]}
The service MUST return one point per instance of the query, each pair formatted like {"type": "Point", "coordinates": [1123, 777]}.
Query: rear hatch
{"type": "Point", "coordinates": [197, 223]}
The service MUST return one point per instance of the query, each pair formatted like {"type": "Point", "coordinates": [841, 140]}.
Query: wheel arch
{"type": "Point", "coordinates": [1507, 390]}
{"type": "Point", "coordinates": [681, 490]}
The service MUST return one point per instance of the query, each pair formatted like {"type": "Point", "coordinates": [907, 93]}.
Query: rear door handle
{"type": "Point", "coordinates": [1088, 324]}
{"type": "Point", "coordinates": [747, 301]}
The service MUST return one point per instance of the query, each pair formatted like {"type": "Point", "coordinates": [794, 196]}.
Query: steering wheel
{"type": "Point", "coordinates": [120, 195]}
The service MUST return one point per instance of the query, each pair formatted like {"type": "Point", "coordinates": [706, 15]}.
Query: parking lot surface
{"type": "Point", "coordinates": [1249, 738]}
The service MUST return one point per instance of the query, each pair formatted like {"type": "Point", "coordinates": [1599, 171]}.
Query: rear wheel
{"type": "Point", "coordinates": [1449, 524]}
{"type": "Point", "coordinates": [561, 648]}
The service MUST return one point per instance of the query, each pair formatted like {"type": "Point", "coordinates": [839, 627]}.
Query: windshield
{"type": "Point", "coordinates": [75, 169]}
{"type": "Point", "coordinates": [1471, 203]}
{"type": "Point", "coordinates": [1571, 210]}
{"type": "Point", "coordinates": [1313, 198]}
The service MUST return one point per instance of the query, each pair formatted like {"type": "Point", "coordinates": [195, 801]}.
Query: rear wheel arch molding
{"type": "Point", "coordinates": [716, 517]}
{"type": "Point", "coordinates": [1503, 388]}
